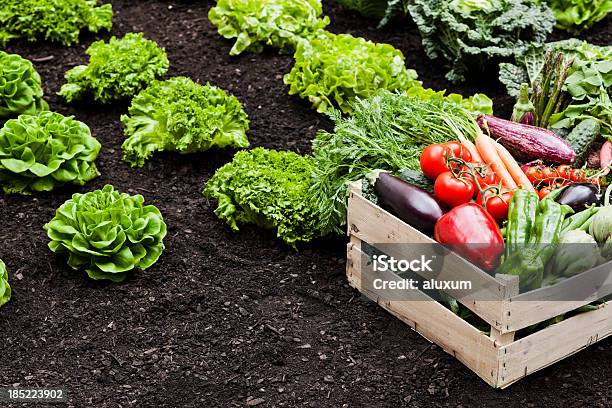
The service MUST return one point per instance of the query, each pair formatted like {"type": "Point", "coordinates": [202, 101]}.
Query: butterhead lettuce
{"type": "Point", "coordinates": [5, 288]}
{"type": "Point", "coordinates": [20, 87]}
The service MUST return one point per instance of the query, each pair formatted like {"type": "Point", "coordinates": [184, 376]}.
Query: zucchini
{"type": "Point", "coordinates": [416, 178]}
{"type": "Point", "coordinates": [581, 138]}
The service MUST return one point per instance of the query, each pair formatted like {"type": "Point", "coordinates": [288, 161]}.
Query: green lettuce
{"type": "Point", "coordinates": [266, 188]}
{"type": "Point", "coordinates": [107, 233]}
{"type": "Point", "coordinates": [333, 70]}
{"type": "Point", "coordinates": [5, 288]}
{"type": "Point", "coordinates": [469, 33]}
{"type": "Point", "coordinates": [477, 103]}
{"type": "Point", "coordinates": [278, 23]}
{"type": "Point", "coordinates": [52, 20]}
{"type": "Point", "coordinates": [578, 15]}
{"type": "Point", "coordinates": [118, 69]}
{"type": "Point", "coordinates": [182, 116]}
{"type": "Point", "coordinates": [20, 87]}
{"type": "Point", "coordinates": [44, 151]}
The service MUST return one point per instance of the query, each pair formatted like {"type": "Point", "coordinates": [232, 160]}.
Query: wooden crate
{"type": "Point", "coordinates": [498, 358]}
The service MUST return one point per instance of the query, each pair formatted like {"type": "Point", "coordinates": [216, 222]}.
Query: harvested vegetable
{"type": "Point", "coordinates": [269, 189]}
{"type": "Point", "coordinates": [601, 229]}
{"type": "Point", "coordinates": [471, 232]}
{"type": "Point", "coordinates": [513, 168]}
{"type": "Point", "coordinates": [117, 70]}
{"type": "Point", "coordinates": [44, 151]}
{"type": "Point", "coordinates": [489, 153]}
{"type": "Point", "coordinates": [333, 70]}
{"type": "Point", "coordinates": [107, 233]}
{"type": "Point", "coordinates": [20, 87]}
{"type": "Point", "coordinates": [5, 288]}
{"type": "Point", "coordinates": [576, 252]}
{"type": "Point", "coordinates": [409, 203]}
{"type": "Point", "coordinates": [433, 160]}
{"type": "Point", "coordinates": [454, 190]}
{"type": "Point", "coordinates": [468, 33]}
{"type": "Point", "coordinates": [58, 21]}
{"type": "Point", "coordinates": [278, 23]}
{"type": "Point", "coordinates": [582, 137]}
{"type": "Point", "coordinates": [528, 142]}
{"type": "Point", "coordinates": [579, 196]}
{"type": "Point", "coordinates": [182, 116]}
{"type": "Point", "coordinates": [388, 132]}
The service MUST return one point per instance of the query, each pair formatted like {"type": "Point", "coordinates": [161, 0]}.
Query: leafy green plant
{"type": "Point", "coordinates": [20, 87]}
{"type": "Point", "coordinates": [332, 70]}
{"type": "Point", "coordinates": [478, 103]}
{"type": "Point", "coordinates": [118, 69]}
{"type": "Point", "coordinates": [278, 23]}
{"type": "Point", "coordinates": [468, 33]}
{"type": "Point", "coordinates": [107, 233]}
{"type": "Point", "coordinates": [5, 288]}
{"type": "Point", "coordinates": [387, 131]}
{"type": "Point", "coordinates": [53, 20]}
{"type": "Point", "coordinates": [578, 15]}
{"type": "Point", "coordinates": [182, 116]}
{"type": "Point", "coordinates": [44, 151]}
{"type": "Point", "coordinates": [266, 188]}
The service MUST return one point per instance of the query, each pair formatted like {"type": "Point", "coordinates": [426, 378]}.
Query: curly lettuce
{"type": "Point", "coordinates": [20, 87]}
{"type": "Point", "coordinates": [333, 70]}
{"type": "Point", "coordinates": [107, 233]}
{"type": "Point", "coordinates": [469, 33]}
{"type": "Point", "coordinates": [52, 20]}
{"type": "Point", "coordinates": [117, 70]}
{"type": "Point", "coordinates": [44, 151]}
{"type": "Point", "coordinates": [477, 103]}
{"type": "Point", "coordinates": [5, 288]}
{"type": "Point", "coordinates": [266, 188]}
{"type": "Point", "coordinates": [277, 23]}
{"type": "Point", "coordinates": [182, 116]}
{"type": "Point", "coordinates": [576, 16]}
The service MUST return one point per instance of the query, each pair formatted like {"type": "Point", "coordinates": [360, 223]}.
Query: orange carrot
{"type": "Point", "coordinates": [472, 149]}
{"type": "Point", "coordinates": [513, 168]}
{"type": "Point", "coordinates": [488, 152]}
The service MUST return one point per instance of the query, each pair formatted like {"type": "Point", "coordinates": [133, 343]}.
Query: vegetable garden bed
{"type": "Point", "coordinates": [499, 358]}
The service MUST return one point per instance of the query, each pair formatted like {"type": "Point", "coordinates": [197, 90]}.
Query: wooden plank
{"type": "Point", "coordinates": [433, 321]}
{"type": "Point", "coordinates": [542, 304]}
{"type": "Point", "coordinates": [500, 337]}
{"type": "Point", "coordinates": [374, 225]}
{"type": "Point", "coordinates": [553, 343]}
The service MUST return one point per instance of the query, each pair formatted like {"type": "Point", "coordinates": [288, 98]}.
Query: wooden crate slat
{"type": "Point", "coordinates": [434, 322]}
{"type": "Point", "coordinates": [553, 343]}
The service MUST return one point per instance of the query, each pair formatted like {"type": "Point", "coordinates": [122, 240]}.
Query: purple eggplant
{"type": "Point", "coordinates": [528, 142]}
{"type": "Point", "coordinates": [409, 203]}
{"type": "Point", "coordinates": [579, 196]}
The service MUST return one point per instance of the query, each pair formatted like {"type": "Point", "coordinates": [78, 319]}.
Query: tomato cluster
{"type": "Point", "coordinates": [547, 178]}
{"type": "Point", "coordinates": [457, 180]}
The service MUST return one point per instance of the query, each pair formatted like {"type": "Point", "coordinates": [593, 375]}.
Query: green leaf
{"type": "Point", "coordinates": [5, 288]}
{"type": "Point", "coordinates": [20, 87]}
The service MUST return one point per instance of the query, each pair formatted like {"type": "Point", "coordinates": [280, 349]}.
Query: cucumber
{"type": "Point", "coordinates": [581, 138]}
{"type": "Point", "coordinates": [416, 178]}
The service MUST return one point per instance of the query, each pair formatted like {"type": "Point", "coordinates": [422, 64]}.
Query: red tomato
{"type": "Point", "coordinates": [576, 175]}
{"type": "Point", "coordinates": [459, 151]}
{"type": "Point", "coordinates": [496, 204]}
{"type": "Point", "coordinates": [544, 192]}
{"type": "Point", "coordinates": [433, 160]}
{"type": "Point", "coordinates": [564, 171]}
{"type": "Point", "coordinates": [534, 174]}
{"type": "Point", "coordinates": [549, 174]}
{"type": "Point", "coordinates": [453, 191]}
{"type": "Point", "coordinates": [490, 179]}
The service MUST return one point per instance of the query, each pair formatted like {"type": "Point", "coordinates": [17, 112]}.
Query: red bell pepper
{"type": "Point", "coordinates": [470, 231]}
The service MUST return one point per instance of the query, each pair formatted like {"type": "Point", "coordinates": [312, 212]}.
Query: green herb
{"type": "Point", "coordinates": [182, 116]}
{"type": "Point", "coordinates": [41, 152]}
{"type": "Point", "coordinates": [578, 15]}
{"type": "Point", "coordinates": [387, 131]}
{"type": "Point", "coordinates": [117, 70]}
{"type": "Point", "coordinates": [266, 188]}
{"type": "Point", "coordinates": [332, 70]}
{"type": "Point", "coordinates": [5, 288]}
{"type": "Point", "coordinates": [52, 20]}
{"type": "Point", "coordinates": [20, 87]}
{"type": "Point", "coordinates": [107, 233]}
{"type": "Point", "coordinates": [469, 33]}
{"type": "Point", "coordinates": [278, 23]}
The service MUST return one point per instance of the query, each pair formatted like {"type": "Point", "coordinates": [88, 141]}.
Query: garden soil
{"type": "Point", "coordinates": [230, 319]}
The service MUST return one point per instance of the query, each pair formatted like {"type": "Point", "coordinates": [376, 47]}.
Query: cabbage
{"type": "Point", "coordinates": [576, 252]}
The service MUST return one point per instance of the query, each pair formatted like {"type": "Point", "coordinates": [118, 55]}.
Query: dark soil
{"type": "Point", "coordinates": [232, 319]}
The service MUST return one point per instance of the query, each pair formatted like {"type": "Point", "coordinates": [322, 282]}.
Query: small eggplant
{"type": "Point", "coordinates": [579, 196]}
{"type": "Point", "coordinates": [409, 203]}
